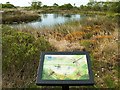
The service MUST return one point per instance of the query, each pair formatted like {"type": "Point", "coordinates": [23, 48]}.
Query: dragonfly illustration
{"type": "Point", "coordinates": [51, 73]}
{"type": "Point", "coordinates": [78, 74]}
{"type": "Point", "coordinates": [58, 66]}
{"type": "Point", "coordinates": [76, 60]}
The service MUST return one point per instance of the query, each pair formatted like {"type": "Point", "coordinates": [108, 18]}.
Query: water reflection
{"type": "Point", "coordinates": [45, 15]}
{"type": "Point", "coordinates": [39, 19]}
{"type": "Point", "coordinates": [56, 16]}
{"type": "Point", "coordinates": [53, 19]}
{"type": "Point", "coordinates": [46, 20]}
{"type": "Point", "coordinates": [68, 15]}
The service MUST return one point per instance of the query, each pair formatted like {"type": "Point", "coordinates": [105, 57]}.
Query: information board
{"type": "Point", "coordinates": [65, 68]}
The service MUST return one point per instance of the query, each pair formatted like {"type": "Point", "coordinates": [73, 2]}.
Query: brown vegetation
{"type": "Point", "coordinates": [16, 16]}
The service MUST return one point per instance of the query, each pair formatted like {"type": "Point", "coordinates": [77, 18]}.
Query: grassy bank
{"type": "Point", "coordinates": [22, 47]}
{"type": "Point", "coordinates": [16, 16]}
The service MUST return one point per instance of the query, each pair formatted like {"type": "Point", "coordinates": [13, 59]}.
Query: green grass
{"type": "Point", "coordinates": [109, 81]}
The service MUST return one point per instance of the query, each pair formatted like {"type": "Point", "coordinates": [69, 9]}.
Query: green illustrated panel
{"type": "Point", "coordinates": [65, 67]}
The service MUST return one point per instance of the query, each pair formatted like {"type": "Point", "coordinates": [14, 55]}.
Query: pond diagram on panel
{"type": "Point", "coordinates": [65, 67]}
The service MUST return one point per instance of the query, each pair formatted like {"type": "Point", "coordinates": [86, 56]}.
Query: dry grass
{"type": "Point", "coordinates": [10, 17]}
{"type": "Point", "coordinates": [64, 45]}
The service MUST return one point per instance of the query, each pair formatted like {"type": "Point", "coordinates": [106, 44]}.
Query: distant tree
{"type": "Point", "coordinates": [39, 4]}
{"type": "Point", "coordinates": [74, 4]}
{"type": "Point", "coordinates": [36, 5]}
{"type": "Point", "coordinates": [8, 5]}
{"type": "Point", "coordinates": [66, 6]}
{"type": "Point", "coordinates": [7, 2]}
{"type": "Point", "coordinates": [115, 7]}
{"type": "Point", "coordinates": [105, 8]}
{"type": "Point", "coordinates": [102, 6]}
{"type": "Point", "coordinates": [90, 4]}
{"type": "Point", "coordinates": [45, 6]}
{"type": "Point", "coordinates": [96, 6]}
{"type": "Point", "coordinates": [91, 0]}
{"type": "Point", "coordinates": [55, 5]}
{"type": "Point", "coordinates": [81, 7]}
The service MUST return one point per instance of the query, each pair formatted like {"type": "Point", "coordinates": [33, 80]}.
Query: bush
{"type": "Point", "coordinates": [66, 6]}
{"type": "Point", "coordinates": [88, 35]}
{"type": "Point", "coordinates": [88, 44]}
{"type": "Point", "coordinates": [21, 54]}
{"type": "Point", "coordinates": [8, 5]}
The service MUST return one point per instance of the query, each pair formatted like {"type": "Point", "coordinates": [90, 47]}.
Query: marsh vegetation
{"type": "Point", "coordinates": [21, 47]}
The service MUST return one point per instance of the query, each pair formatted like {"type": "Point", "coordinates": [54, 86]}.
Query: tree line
{"type": "Point", "coordinates": [91, 6]}
{"type": "Point", "coordinates": [38, 5]}
{"type": "Point", "coordinates": [102, 6]}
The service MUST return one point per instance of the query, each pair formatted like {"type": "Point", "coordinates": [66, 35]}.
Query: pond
{"type": "Point", "coordinates": [49, 20]}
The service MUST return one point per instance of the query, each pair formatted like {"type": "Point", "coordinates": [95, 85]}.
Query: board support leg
{"type": "Point", "coordinates": [65, 87]}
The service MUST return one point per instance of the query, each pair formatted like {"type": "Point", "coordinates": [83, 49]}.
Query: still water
{"type": "Point", "coordinates": [49, 20]}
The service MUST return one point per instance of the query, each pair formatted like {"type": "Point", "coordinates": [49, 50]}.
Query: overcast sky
{"type": "Point", "coordinates": [47, 2]}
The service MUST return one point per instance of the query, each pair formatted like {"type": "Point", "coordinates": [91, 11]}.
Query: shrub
{"type": "Point", "coordinates": [21, 54]}
{"type": "Point", "coordinates": [88, 44]}
{"type": "Point", "coordinates": [66, 6]}
{"type": "Point", "coordinates": [88, 35]}
{"type": "Point", "coordinates": [8, 5]}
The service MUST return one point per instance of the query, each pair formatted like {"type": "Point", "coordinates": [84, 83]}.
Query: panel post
{"type": "Point", "coordinates": [65, 87]}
